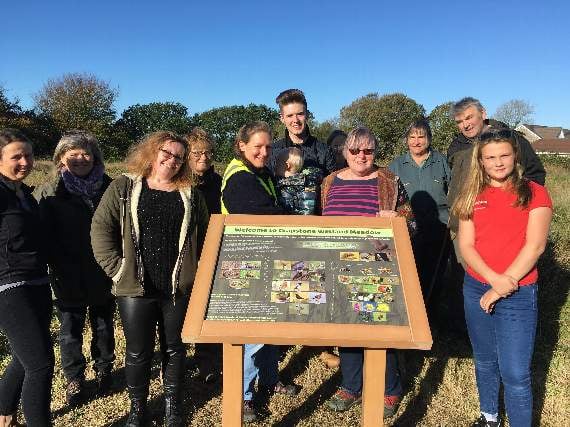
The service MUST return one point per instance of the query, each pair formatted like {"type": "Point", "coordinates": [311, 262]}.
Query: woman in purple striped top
{"type": "Point", "coordinates": [363, 189]}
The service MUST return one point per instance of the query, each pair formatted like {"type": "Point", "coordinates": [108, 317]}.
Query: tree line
{"type": "Point", "coordinates": [83, 101]}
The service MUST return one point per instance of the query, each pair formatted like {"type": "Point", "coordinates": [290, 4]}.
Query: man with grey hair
{"type": "Point", "coordinates": [472, 121]}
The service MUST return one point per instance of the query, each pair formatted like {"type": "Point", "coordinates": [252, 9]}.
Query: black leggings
{"type": "Point", "coordinates": [140, 316]}
{"type": "Point", "coordinates": [25, 315]}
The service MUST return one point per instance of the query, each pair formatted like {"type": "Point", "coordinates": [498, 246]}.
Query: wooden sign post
{"type": "Point", "coordinates": [318, 281]}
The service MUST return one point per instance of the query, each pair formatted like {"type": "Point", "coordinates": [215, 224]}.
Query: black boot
{"type": "Point", "coordinates": [173, 412]}
{"type": "Point", "coordinates": [137, 413]}
{"type": "Point", "coordinates": [104, 383]}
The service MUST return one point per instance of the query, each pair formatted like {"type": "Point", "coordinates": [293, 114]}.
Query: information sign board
{"type": "Point", "coordinates": [347, 281]}
{"type": "Point", "coordinates": [314, 274]}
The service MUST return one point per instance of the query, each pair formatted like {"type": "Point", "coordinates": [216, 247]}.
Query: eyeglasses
{"type": "Point", "coordinates": [177, 159]}
{"type": "Point", "coordinates": [366, 151]}
{"type": "Point", "coordinates": [198, 154]}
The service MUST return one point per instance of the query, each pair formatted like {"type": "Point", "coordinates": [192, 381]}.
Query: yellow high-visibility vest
{"type": "Point", "coordinates": [238, 166]}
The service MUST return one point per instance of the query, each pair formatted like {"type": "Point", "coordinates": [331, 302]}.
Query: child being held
{"type": "Point", "coordinates": [297, 188]}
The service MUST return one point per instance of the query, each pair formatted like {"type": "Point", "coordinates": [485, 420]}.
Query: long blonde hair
{"type": "Point", "coordinates": [477, 179]}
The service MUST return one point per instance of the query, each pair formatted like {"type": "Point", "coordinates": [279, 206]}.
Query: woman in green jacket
{"type": "Point", "coordinates": [67, 204]}
{"type": "Point", "coordinates": [147, 234]}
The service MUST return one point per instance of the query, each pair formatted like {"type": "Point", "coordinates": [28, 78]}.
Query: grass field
{"type": "Point", "coordinates": [440, 384]}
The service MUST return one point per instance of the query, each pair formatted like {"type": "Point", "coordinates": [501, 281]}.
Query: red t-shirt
{"type": "Point", "coordinates": [500, 228]}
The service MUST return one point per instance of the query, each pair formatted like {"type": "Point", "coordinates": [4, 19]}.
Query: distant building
{"type": "Point", "coordinates": [547, 139]}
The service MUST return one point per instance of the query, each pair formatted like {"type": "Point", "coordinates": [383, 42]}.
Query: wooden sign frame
{"type": "Point", "coordinates": [375, 338]}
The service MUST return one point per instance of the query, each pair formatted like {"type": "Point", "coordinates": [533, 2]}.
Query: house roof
{"type": "Point", "coordinates": [552, 145]}
{"type": "Point", "coordinates": [546, 132]}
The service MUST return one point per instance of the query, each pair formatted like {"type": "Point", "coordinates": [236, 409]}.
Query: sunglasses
{"type": "Point", "coordinates": [366, 151]}
{"type": "Point", "coordinates": [497, 134]}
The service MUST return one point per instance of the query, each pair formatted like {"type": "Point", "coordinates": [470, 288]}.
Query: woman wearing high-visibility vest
{"type": "Point", "coordinates": [247, 188]}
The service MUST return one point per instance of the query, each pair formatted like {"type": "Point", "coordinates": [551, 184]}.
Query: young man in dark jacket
{"type": "Point", "coordinates": [293, 114]}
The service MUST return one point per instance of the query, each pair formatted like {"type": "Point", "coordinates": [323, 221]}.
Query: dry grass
{"type": "Point", "coordinates": [440, 383]}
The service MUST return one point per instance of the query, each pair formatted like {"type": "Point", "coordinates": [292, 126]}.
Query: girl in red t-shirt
{"type": "Point", "coordinates": [503, 228]}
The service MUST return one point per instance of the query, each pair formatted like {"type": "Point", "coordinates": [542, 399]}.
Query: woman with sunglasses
{"type": "Point", "coordinates": [363, 189]}
{"type": "Point", "coordinates": [147, 234]}
{"type": "Point", "coordinates": [503, 228]}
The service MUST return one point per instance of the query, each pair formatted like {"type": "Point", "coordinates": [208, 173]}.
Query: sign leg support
{"type": "Point", "coordinates": [373, 387]}
{"type": "Point", "coordinates": [232, 392]}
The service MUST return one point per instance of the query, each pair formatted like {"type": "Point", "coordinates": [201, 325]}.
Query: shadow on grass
{"type": "Point", "coordinates": [452, 342]}
{"type": "Point", "coordinates": [4, 346]}
{"type": "Point", "coordinates": [311, 403]}
{"type": "Point", "coordinates": [195, 394]}
{"type": "Point", "coordinates": [552, 294]}
{"type": "Point", "coordinates": [296, 366]}
{"type": "Point", "coordinates": [298, 363]}
{"type": "Point", "coordinates": [445, 347]}
{"type": "Point", "coordinates": [90, 392]}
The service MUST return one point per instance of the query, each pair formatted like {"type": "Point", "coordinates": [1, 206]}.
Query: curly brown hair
{"type": "Point", "coordinates": [199, 138]}
{"type": "Point", "coordinates": [142, 155]}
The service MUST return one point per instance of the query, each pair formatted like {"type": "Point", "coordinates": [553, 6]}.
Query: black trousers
{"type": "Point", "coordinates": [102, 347]}
{"type": "Point", "coordinates": [25, 315]}
{"type": "Point", "coordinates": [140, 317]}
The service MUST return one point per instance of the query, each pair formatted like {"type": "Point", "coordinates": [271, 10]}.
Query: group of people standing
{"type": "Point", "coordinates": [136, 241]}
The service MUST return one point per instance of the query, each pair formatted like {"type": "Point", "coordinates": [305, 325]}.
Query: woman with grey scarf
{"type": "Point", "coordinates": [81, 288]}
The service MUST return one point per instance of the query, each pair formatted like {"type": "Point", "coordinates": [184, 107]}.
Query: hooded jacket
{"type": "Point", "coordinates": [115, 237]}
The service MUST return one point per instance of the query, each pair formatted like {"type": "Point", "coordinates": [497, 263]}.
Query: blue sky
{"type": "Point", "coordinates": [215, 53]}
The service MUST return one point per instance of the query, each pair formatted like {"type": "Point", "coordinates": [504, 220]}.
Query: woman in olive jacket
{"type": "Point", "coordinates": [147, 235]}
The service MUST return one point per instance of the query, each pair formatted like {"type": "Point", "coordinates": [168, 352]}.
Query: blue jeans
{"type": "Point", "coordinates": [259, 361]}
{"type": "Point", "coordinates": [503, 343]}
{"type": "Point", "coordinates": [351, 364]}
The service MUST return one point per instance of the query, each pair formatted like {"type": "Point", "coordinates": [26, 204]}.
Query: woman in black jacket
{"type": "Point", "coordinates": [247, 188]}
{"type": "Point", "coordinates": [207, 357]}
{"type": "Point", "coordinates": [67, 204]}
{"type": "Point", "coordinates": [25, 298]}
